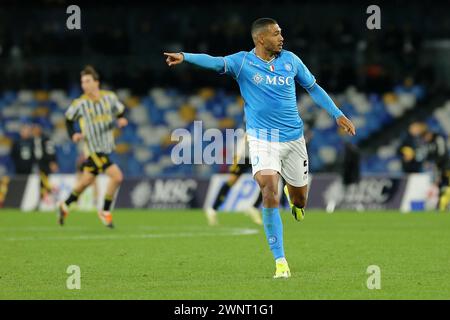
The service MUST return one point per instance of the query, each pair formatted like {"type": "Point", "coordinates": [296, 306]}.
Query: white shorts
{"type": "Point", "coordinates": [290, 159]}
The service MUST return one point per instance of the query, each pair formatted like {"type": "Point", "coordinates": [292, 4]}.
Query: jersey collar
{"type": "Point", "coordinates": [265, 61]}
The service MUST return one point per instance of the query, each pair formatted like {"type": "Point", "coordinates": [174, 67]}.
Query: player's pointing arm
{"type": "Point", "coordinates": [173, 59]}
{"type": "Point", "coordinates": [201, 60]}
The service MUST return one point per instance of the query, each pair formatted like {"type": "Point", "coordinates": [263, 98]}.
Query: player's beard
{"type": "Point", "coordinates": [276, 51]}
{"type": "Point", "coordinates": [277, 48]}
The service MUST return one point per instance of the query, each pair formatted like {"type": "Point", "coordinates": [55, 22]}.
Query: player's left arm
{"type": "Point", "coordinates": [119, 111]}
{"type": "Point", "coordinates": [321, 98]}
{"type": "Point", "coordinates": [305, 78]}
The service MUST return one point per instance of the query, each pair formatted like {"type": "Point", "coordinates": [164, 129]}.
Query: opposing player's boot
{"type": "Point", "coordinates": [255, 215]}
{"type": "Point", "coordinates": [63, 212]}
{"type": "Point", "coordinates": [282, 269]}
{"type": "Point", "coordinates": [297, 213]}
{"type": "Point", "coordinates": [106, 218]}
{"type": "Point", "coordinates": [211, 216]}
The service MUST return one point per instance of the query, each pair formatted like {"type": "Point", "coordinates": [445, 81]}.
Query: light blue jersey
{"type": "Point", "coordinates": [268, 89]}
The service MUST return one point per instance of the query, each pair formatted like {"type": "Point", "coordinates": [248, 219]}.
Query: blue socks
{"type": "Point", "coordinates": [274, 231]}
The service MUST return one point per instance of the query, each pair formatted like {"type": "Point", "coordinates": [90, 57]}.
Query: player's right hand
{"type": "Point", "coordinates": [174, 58]}
{"type": "Point", "coordinates": [77, 137]}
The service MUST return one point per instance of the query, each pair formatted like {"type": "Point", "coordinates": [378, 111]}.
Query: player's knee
{"type": "Point", "coordinates": [118, 177]}
{"type": "Point", "coordinates": [270, 197]}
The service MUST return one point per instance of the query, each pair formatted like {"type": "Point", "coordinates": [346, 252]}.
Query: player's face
{"type": "Point", "coordinates": [273, 40]}
{"type": "Point", "coordinates": [37, 131]}
{"type": "Point", "coordinates": [25, 132]}
{"type": "Point", "coordinates": [88, 84]}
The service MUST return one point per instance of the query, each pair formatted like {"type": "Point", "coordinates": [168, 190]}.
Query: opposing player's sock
{"type": "Point", "coordinates": [273, 228]}
{"type": "Point", "coordinates": [106, 215]}
{"type": "Point", "coordinates": [221, 196]}
{"type": "Point", "coordinates": [107, 203]}
{"type": "Point", "coordinates": [72, 198]}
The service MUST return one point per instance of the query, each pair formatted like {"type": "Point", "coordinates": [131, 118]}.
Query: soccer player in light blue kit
{"type": "Point", "coordinates": [266, 77]}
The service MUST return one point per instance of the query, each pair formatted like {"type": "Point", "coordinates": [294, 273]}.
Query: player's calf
{"type": "Point", "coordinates": [115, 179]}
{"type": "Point", "coordinates": [297, 201]}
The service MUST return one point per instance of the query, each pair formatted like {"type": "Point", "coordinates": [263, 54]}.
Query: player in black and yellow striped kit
{"type": "Point", "coordinates": [96, 110]}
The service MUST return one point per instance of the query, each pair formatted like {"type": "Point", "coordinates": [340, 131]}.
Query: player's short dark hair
{"type": "Point", "coordinates": [89, 70]}
{"type": "Point", "coordinates": [261, 23]}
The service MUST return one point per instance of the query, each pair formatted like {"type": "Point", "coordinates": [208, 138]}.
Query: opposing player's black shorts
{"type": "Point", "coordinates": [240, 168]}
{"type": "Point", "coordinates": [96, 163]}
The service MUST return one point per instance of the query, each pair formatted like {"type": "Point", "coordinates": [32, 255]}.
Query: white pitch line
{"type": "Point", "coordinates": [84, 228]}
{"type": "Point", "coordinates": [44, 229]}
{"type": "Point", "coordinates": [228, 232]}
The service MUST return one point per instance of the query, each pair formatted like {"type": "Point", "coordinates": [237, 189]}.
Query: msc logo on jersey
{"type": "Point", "coordinates": [273, 80]}
{"type": "Point", "coordinates": [279, 80]}
{"type": "Point", "coordinates": [257, 78]}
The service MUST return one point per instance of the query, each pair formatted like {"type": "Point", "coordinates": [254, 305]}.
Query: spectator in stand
{"type": "Point", "coordinates": [22, 151]}
{"type": "Point", "coordinates": [350, 174]}
{"type": "Point", "coordinates": [410, 148]}
{"type": "Point", "coordinates": [44, 155]}
{"type": "Point", "coordinates": [438, 156]}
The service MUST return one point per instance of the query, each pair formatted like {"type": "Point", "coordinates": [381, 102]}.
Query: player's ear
{"type": "Point", "coordinates": [260, 37]}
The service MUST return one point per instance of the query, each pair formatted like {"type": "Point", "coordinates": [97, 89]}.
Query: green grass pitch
{"type": "Point", "coordinates": [157, 254]}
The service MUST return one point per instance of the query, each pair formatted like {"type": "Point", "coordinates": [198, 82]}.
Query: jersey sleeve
{"type": "Point", "coordinates": [117, 106]}
{"type": "Point", "coordinates": [303, 76]}
{"type": "Point", "coordinates": [205, 61]}
{"type": "Point", "coordinates": [73, 113]}
{"type": "Point", "coordinates": [234, 64]}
